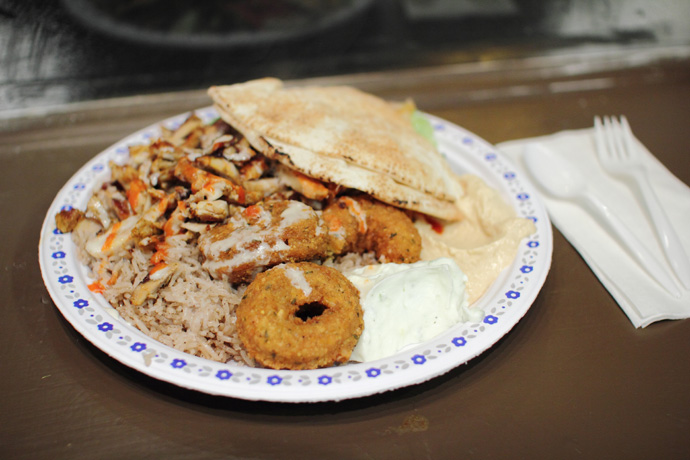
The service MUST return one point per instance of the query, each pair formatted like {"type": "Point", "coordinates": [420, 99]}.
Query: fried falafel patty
{"type": "Point", "coordinates": [261, 236]}
{"type": "Point", "coordinates": [361, 224]}
{"type": "Point", "coordinates": [300, 316]}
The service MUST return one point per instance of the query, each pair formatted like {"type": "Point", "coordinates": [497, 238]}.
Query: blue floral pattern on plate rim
{"type": "Point", "coordinates": [504, 304]}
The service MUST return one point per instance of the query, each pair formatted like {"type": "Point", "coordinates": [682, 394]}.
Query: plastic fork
{"type": "Point", "coordinates": [619, 156]}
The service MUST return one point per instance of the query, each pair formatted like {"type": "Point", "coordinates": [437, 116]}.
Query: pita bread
{"type": "Point", "coordinates": [344, 136]}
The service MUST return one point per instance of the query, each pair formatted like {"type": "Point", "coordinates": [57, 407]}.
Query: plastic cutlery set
{"type": "Point", "coordinates": [617, 155]}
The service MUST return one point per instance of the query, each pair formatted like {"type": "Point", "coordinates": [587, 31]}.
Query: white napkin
{"type": "Point", "coordinates": [641, 298]}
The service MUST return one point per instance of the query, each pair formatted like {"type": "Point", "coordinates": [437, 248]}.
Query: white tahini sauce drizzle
{"type": "Point", "coordinates": [297, 278]}
{"type": "Point", "coordinates": [295, 212]}
{"type": "Point", "coordinates": [243, 234]}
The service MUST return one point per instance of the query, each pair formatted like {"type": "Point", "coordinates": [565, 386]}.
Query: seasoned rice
{"type": "Point", "coordinates": [194, 313]}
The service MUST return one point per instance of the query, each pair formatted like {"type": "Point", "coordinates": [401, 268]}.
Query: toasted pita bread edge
{"type": "Point", "coordinates": [334, 169]}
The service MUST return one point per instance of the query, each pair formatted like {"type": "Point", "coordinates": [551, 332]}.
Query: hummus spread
{"type": "Point", "coordinates": [483, 242]}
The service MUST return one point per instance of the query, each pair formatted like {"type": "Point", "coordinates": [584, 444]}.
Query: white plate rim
{"type": "Point", "coordinates": [505, 303]}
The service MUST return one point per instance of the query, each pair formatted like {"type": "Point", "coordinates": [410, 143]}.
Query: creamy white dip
{"type": "Point", "coordinates": [406, 304]}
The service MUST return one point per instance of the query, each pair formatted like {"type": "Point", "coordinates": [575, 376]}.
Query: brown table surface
{"type": "Point", "coordinates": [573, 379]}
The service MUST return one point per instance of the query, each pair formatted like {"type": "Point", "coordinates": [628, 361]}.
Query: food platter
{"type": "Point", "coordinates": [504, 304]}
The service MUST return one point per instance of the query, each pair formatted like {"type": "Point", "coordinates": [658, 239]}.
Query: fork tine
{"type": "Point", "coordinates": [609, 129]}
{"type": "Point", "coordinates": [599, 136]}
{"type": "Point", "coordinates": [620, 139]}
{"type": "Point", "coordinates": [628, 137]}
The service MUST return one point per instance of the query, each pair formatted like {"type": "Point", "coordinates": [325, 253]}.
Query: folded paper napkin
{"type": "Point", "coordinates": [642, 299]}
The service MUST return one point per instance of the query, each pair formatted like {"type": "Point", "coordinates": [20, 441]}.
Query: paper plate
{"type": "Point", "coordinates": [504, 304]}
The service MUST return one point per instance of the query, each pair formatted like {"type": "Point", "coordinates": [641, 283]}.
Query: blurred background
{"type": "Point", "coordinates": [63, 51]}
